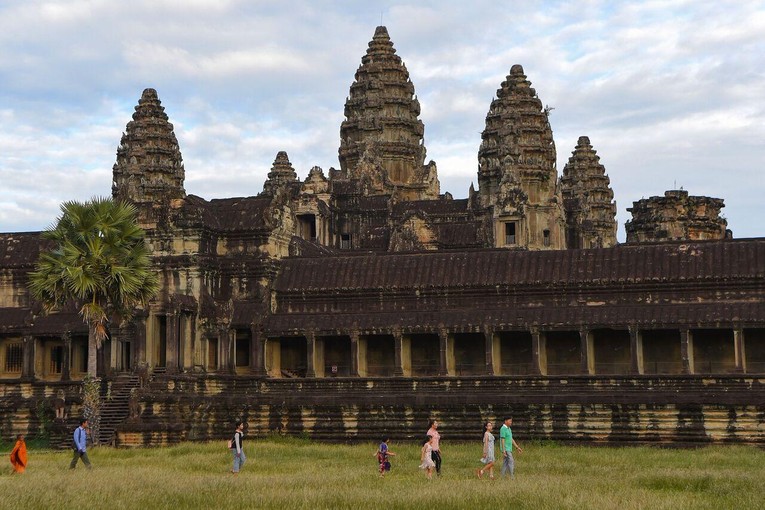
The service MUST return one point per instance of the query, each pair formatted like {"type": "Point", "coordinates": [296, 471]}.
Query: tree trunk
{"type": "Point", "coordinates": [92, 352]}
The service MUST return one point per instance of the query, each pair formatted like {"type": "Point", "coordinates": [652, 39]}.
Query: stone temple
{"type": "Point", "coordinates": [362, 300]}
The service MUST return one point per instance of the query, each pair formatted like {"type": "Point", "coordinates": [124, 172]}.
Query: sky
{"type": "Point", "coordinates": [669, 92]}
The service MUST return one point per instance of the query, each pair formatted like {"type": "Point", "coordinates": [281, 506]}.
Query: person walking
{"type": "Point", "coordinates": [236, 447]}
{"type": "Point", "coordinates": [488, 451]}
{"type": "Point", "coordinates": [79, 445]}
{"type": "Point", "coordinates": [19, 455]}
{"type": "Point", "coordinates": [436, 445]}
{"type": "Point", "coordinates": [506, 444]}
{"type": "Point", "coordinates": [426, 457]}
{"type": "Point", "coordinates": [383, 454]}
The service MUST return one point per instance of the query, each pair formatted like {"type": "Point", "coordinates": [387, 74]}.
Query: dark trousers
{"type": "Point", "coordinates": [80, 455]}
{"type": "Point", "coordinates": [435, 456]}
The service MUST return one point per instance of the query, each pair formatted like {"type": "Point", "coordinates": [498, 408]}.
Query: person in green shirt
{"type": "Point", "coordinates": [506, 443]}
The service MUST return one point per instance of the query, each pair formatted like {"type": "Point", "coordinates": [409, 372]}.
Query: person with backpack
{"type": "Point", "coordinates": [79, 445]}
{"type": "Point", "coordinates": [236, 447]}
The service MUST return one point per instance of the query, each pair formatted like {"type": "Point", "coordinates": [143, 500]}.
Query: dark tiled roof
{"type": "Point", "coordinates": [57, 323]}
{"type": "Point", "coordinates": [19, 249]}
{"type": "Point", "coordinates": [14, 319]}
{"type": "Point", "coordinates": [432, 207]}
{"type": "Point", "coordinates": [237, 214]}
{"type": "Point", "coordinates": [730, 259]}
{"type": "Point", "coordinates": [247, 311]}
{"type": "Point", "coordinates": [459, 234]}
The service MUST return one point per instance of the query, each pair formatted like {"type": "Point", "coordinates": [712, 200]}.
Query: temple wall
{"type": "Point", "coordinates": [584, 409]}
{"type": "Point", "coordinates": [28, 408]}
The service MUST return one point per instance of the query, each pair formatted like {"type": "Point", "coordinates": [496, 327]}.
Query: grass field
{"type": "Point", "coordinates": [294, 473]}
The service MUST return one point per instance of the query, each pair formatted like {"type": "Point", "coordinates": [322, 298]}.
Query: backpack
{"type": "Point", "coordinates": [231, 444]}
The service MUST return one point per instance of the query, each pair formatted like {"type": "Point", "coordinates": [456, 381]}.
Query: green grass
{"type": "Point", "coordinates": [294, 473]}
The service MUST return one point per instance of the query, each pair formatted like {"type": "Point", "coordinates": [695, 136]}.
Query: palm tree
{"type": "Point", "coordinates": [98, 260]}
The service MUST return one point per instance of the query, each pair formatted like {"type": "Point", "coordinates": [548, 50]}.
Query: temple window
{"type": "Point", "coordinates": [510, 232]}
{"type": "Point", "coordinates": [56, 359]}
{"type": "Point", "coordinates": [14, 354]}
{"type": "Point", "coordinates": [307, 224]}
{"type": "Point", "coordinates": [546, 237]}
{"type": "Point", "coordinates": [345, 241]}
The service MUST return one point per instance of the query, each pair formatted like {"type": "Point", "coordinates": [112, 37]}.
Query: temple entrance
{"type": "Point", "coordinates": [611, 351]}
{"type": "Point", "coordinates": [564, 352]}
{"type": "Point", "coordinates": [661, 351]}
{"type": "Point", "coordinates": [337, 356]}
{"type": "Point", "coordinates": [380, 356]}
{"type": "Point", "coordinates": [293, 356]}
{"type": "Point", "coordinates": [469, 354]}
{"type": "Point", "coordinates": [713, 351]}
{"type": "Point", "coordinates": [754, 350]}
{"type": "Point", "coordinates": [79, 361]}
{"type": "Point", "coordinates": [516, 357]}
{"type": "Point", "coordinates": [160, 346]}
{"type": "Point", "coordinates": [242, 351]}
{"type": "Point", "coordinates": [212, 354]}
{"type": "Point", "coordinates": [426, 355]}
{"type": "Point", "coordinates": [123, 363]}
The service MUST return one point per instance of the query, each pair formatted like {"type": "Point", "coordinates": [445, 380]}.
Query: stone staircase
{"type": "Point", "coordinates": [116, 408]}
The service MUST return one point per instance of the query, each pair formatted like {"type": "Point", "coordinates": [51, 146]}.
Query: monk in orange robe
{"type": "Point", "coordinates": [19, 455]}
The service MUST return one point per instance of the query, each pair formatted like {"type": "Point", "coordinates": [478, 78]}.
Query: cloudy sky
{"type": "Point", "coordinates": [670, 93]}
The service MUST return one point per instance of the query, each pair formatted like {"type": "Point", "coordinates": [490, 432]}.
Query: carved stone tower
{"type": "Point", "coordinates": [676, 217]}
{"type": "Point", "coordinates": [149, 167]}
{"type": "Point", "coordinates": [281, 175]}
{"type": "Point", "coordinates": [381, 138]}
{"type": "Point", "coordinates": [517, 176]}
{"type": "Point", "coordinates": [588, 200]}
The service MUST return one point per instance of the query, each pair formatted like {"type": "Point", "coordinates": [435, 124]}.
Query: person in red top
{"type": "Point", "coordinates": [19, 455]}
{"type": "Point", "coordinates": [436, 445]}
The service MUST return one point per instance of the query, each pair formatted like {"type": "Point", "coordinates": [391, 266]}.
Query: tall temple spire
{"type": "Point", "coordinates": [149, 167]}
{"type": "Point", "coordinates": [588, 199]}
{"type": "Point", "coordinates": [517, 175]}
{"type": "Point", "coordinates": [282, 173]}
{"type": "Point", "coordinates": [382, 137]}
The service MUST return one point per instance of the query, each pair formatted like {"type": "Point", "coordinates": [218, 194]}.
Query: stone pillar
{"type": "Point", "coordinates": [739, 349]}
{"type": "Point", "coordinates": [225, 359]}
{"type": "Point", "coordinates": [273, 357]}
{"type": "Point", "coordinates": [139, 352]}
{"type": "Point", "coordinates": [446, 365]}
{"type": "Point", "coordinates": [492, 360]}
{"type": "Point", "coordinates": [66, 362]}
{"type": "Point", "coordinates": [354, 335]}
{"type": "Point", "coordinates": [257, 351]}
{"type": "Point", "coordinates": [686, 351]}
{"type": "Point", "coordinates": [171, 345]}
{"type": "Point", "coordinates": [310, 338]}
{"type": "Point", "coordinates": [398, 360]}
{"type": "Point", "coordinates": [636, 350]}
{"type": "Point", "coordinates": [587, 351]}
{"type": "Point", "coordinates": [539, 351]}
{"type": "Point", "coordinates": [28, 357]}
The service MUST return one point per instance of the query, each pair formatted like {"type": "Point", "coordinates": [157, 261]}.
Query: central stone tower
{"type": "Point", "coordinates": [381, 138]}
{"type": "Point", "coordinates": [517, 176]}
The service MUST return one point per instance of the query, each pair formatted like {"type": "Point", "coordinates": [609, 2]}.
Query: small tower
{"type": "Point", "coordinates": [149, 168]}
{"type": "Point", "coordinates": [517, 176]}
{"type": "Point", "coordinates": [588, 200]}
{"type": "Point", "coordinates": [676, 217]}
{"type": "Point", "coordinates": [381, 138]}
{"type": "Point", "coordinates": [281, 175]}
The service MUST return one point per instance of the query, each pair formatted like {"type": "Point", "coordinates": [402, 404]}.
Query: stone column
{"type": "Point", "coordinates": [257, 351]}
{"type": "Point", "coordinates": [443, 367]}
{"type": "Point", "coordinates": [225, 359]}
{"type": "Point", "coordinates": [636, 350]}
{"type": "Point", "coordinates": [492, 363]}
{"type": "Point", "coordinates": [587, 351]}
{"type": "Point", "coordinates": [139, 352]}
{"type": "Point", "coordinates": [686, 351]}
{"type": "Point", "coordinates": [539, 351]}
{"type": "Point", "coordinates": [310, 353]}
{"type": "Point", "coordinates": [171, 345]}
{"type": "Point", "coordinates": [354, 335]}
{"type": "Point", "coordinates": [28, 357]}
{"type": "Point", "coordinates": [66, 362]}
{"type": "Point", "coordinates": [739, 349]}
{"type": "Point", "coordinates": [398, 361]}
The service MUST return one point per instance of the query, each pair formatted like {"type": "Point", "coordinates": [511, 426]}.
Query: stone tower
{"type": "Point", "coordinates": [381, 138]}
{"type": "Point", "coordinates": [676, 217]}
{"type": "Point", "coordinates": [149, 168]}
{"type": "Point", "coordinates": [588, 200]}
{"type": "Point", "coordinates": [517, 176]}
{"type": "Point", "coordinates": [281, 175]}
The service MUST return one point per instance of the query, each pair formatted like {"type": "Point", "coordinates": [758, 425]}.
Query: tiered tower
{"type": "Point", "coordinates": [676, 217]}
{"type": "Point", "coordinates": [381, 138]}
{"type": "Point", "coordinates": [282, 174]}
{"type": "Point", "coordinates": [149, 168]}
{"type": "Point", "coordinates": [588, 200]}
{"type": "Point", "coordinates": [517, 175]}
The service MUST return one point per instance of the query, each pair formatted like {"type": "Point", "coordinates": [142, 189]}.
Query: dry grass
{"type": "Point", "coordinates": [291, 473]}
